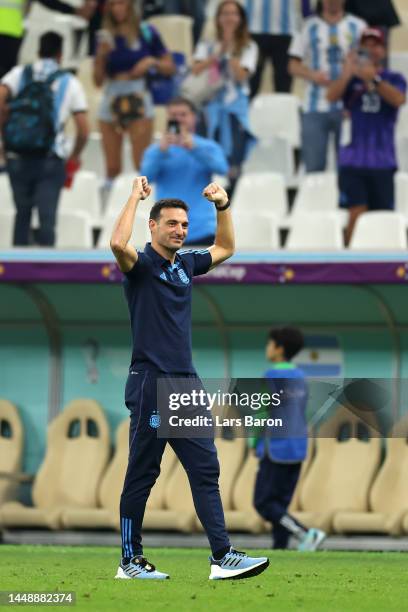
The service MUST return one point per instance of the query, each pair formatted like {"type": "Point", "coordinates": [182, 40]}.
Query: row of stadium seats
{"type": "Point", "coordinates": [384, 231]}
{"type": "Point", "coordinates": [176, 32]}
{"type": "Point", "coordinates": [343, 486]}
{"type": "Point", "coordinates": [260, 210]}
{"type": "Point", "coordinates": [275, 121]}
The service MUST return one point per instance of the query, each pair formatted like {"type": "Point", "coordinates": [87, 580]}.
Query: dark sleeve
{"type": "Point", "coordinates": [56, 5]}
{"type": "Point", "coordinates": [350, 7]}
{"type": "Point", "coordinates": [306, 8]}
{"type": "Point", "coordinates": [376, 13]}
{"type": "Point", "coordinates": [156, 44]}
{"type": "Point", "coordinates": [349, 97]}
{"type": "Point", "coordinates": [139, 270]}
{"type": "Point", "coordinates": [398, 81]}
{"type": "Point", "coordinates": [199, 262]}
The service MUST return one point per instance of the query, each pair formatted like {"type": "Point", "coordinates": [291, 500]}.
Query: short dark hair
{"type": "Point", "coordinates": [289, 338]}
{"type": "Point", "coordinates": [50, 45]}
{"type": "Point", "coordinates": [166, 203]}
{"type": "Point", "coordinates": [180, 101]}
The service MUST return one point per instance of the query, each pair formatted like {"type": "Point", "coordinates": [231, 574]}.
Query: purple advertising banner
{"type": "Point", "coordinates": [258, 272]}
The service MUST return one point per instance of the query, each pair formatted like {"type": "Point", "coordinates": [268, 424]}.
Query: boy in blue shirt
{"type": "Point", "coordinates": [281, 458]}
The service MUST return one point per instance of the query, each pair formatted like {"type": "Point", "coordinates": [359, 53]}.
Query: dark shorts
{"type": "Point", "coordinates": [367, 187]}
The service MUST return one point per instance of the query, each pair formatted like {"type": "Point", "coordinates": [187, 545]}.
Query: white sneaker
{"type": "Point", "coordinates": [312, 540]}
{"type": "Point", "coordinates": [235, 565]}
{"type": "Point", "coordinates": [140, 569]}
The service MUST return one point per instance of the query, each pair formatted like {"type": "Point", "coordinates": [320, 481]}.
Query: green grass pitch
{"type": "Point", "coordinates": [323, 581]}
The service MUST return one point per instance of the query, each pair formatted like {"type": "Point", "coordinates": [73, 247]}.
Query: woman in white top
{"type": "Point", "coordinates": [234, 57]}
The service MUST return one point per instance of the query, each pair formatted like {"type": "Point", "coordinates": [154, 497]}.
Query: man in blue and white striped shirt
{"type": "Point", "coordinates": [272, 24]}
{"type": "Point", "coordinates": [317, 55]}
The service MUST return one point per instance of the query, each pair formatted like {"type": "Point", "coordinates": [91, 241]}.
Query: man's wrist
{"type": "Point", "coordinates": [224, 206]}
{"type": "Point", "coordinates": [135, 197]}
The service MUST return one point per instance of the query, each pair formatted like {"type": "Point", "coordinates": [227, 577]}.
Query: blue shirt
{"type": "Point", "coordinates": [183, 173]}
{"type": "Point", "coordinates": [123, 57]}
{"type": "Point", "coordinates": [293, 448]}
{"type": "Point", "coordinates": [373, 123]}
{"type": "Point", "coordinates": [158, 294]}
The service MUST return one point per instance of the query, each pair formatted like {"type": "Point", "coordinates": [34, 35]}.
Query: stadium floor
{"type": "Point", "coordinates": [178, 540]}
{"type": "Point", "coordinates": [334, 581]}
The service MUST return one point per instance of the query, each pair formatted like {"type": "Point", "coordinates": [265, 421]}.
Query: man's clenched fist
{"type": "Point", "coordinates": [141, 188]}
{"type": "Point", "coordinates": [215, 193]}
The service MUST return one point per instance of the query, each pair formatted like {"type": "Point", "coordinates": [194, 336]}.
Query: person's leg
{"type": "Point", "coordinates": [280, 59]}
{"type": "Point", "coordinates": [10, 46]}
{"type": "Point", "coordinates": [140, 134]}
{"type": "Point", "coordinates": [21, 173]}
{"type": "Point", "coordinates": [353, 196]}
{"type": "Point", "coordinates": [199, 459]}
{"type": "Point", "coordinates": [196, 9]}
{"type": "Point", "coordinates": [336, 120]}
{"type": "Point", "coordinates": [381, 189]}
{"type": "Point", "coordinates": [354, 213]}
{"type": "Point", "coordinates": [46, 193]}
{"type": "Point", "coordinates": [145, 453]}
{"type": "Point", "coordinates": [315, 138]}
{"type": "Point", "coordinates": [239, 147]}
{"type": "Point", "coordinates": [112, 148]}
{"type": "Point", "coordinates": [274, 488]}
{"type": "Point", "coordinates": [262, 42]}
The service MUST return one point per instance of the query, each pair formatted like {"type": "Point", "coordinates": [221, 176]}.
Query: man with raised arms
{"type": "Point", "coordinates": [158, 289]}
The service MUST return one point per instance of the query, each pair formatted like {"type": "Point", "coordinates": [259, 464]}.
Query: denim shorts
{"type": "Point", "coordinates": [113, 89]}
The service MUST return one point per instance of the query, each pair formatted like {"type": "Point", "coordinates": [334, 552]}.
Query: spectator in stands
{"type": "Point", "coordinates": [281, 458]}
{"type": "Point", "coordinates": [192, 8]}
{"type": "Point", "coordinates": [128, 50]}
{"type": "Point", "coordinates": [11, 26]}
{"type": "Point", "coordinates": [272, 24]}
{"type": "Point", "coordinates": [234, 55]}
{"type": "Point", "coordinates": [380, 13]}
{"type": "Point", "coordinates": [11, 33]}
{"type": "Point", "coordinates": [38, 174]}
{"type": "Point", "coordinates": [181, 164]}
{"type": "Point", "coordinates": [372, 97]}
{"type": "Point", "coordinates": [377, 13]}
{"type": "Point", "coordinates": [317, 55]}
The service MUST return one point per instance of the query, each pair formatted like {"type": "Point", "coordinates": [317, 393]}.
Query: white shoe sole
{"type": "Point", "coordinates": [218, 573]}
{"type": "Point", "coordinates": [121, 575]}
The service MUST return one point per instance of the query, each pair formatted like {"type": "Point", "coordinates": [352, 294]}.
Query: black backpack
{"type": "Point", "coordinates": [32, 127]}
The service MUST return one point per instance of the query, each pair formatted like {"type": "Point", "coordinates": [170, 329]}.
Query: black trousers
{"type": "Point", "coordinates": [197, 455]}
{"type": "Point", "coordinates": [274, 488]}
{"type": "Point", "coordinates": [274, 47]}
{"type": "Point", "coordinates": [9, 48]}
{"type": "Point", "coordinates": [36, 183]}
